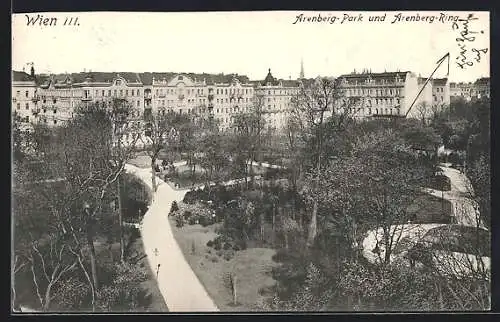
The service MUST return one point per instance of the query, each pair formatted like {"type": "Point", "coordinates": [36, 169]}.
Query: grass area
{"type": "Point", "coordinates": [428, 209]}
{"type": "Point", "coordinates": [251, 266]}
{"type": "Point", "coordinates": [141, 161]}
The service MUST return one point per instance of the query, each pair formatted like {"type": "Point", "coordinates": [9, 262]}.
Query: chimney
{"type": "Point", "coordinates": [32, 71]}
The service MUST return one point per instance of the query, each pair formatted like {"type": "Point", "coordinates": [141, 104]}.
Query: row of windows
{"type": "Point", "coordinates": [103, 92]}
{"type": "Point", "coordinates": [281, 92]}
{"type": "Point", "coordinates": [232, 110]}
{"type": "Point", "coordinates": [371, 91]}
{"type": "Point", "coordinates": [382, 111]}
{"type": "Point", "coordinates": [18, 93]}
{"type": "Point", "coordinates": [229, 100]}
{"type": "Point", "coordinates": [385, 101]}
{"type": "Point", "coordinates": [233, 91]}
{"type": "Point", "coordinates": [27, 119]}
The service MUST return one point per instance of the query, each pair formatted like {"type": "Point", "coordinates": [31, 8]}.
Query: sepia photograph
{"type": "Point", "coordinates": [250, 161]}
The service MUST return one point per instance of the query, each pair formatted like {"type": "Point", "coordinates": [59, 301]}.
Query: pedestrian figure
{"type": "Point", "coordinates": [157, 270]}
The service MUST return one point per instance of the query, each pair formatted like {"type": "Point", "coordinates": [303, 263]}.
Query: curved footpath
{"type": "Point", "coordinates": [177, 282]}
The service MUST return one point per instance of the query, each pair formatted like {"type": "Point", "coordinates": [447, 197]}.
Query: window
{"type": "Point", "coordinates": [55, 111]}
{"type": "Point", "coordinates": [126, 92]}
{"type": "Point", "coordinates": [133, 92]}
{"type": "Point", "coordinates": [115, 92]}
{"type": "Point", "coordinates": [27, 106]}
{"type": "Point", "coordinates": [121, 92]}
{"type": "Point", "coordinates": [18, 106]}
{"type": "Point", "coordinates": [27, 93]}
{"type": "Point", "coordinates": [225, 91]}
{"type": "Point", "coordinates": [102, 92]}
{"type": "Point", "coordinates": [54, 100]}
{"type": "Point", "coordinates": [109, 92]}
{"type": "Point", "coordinates": [18, 93]}
{"type": "Point", "coordinates": [27, 118]}
{"type": "Point", "coordinates": [138, 92]}
{"type": "Point", "coordinates": [138, 103]}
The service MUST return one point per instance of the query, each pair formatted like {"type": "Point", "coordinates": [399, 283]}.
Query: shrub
{"type": "Point", "coordinates": [174, 208]}
{"type": "Point", "coordinates": [227, 246]}
{"type": "Point", "coordinates": [210, 243]}
{"type": "Point", "coordinates": [193, 220]}
{"type": "Point", "coordinates": [228, 255]}
{"type": "Point", "coordinates": [179, 221]}
{"type": "Point", "coordinates": [124, 292]}
{"type": "Point", "coordinates": [187, 214]}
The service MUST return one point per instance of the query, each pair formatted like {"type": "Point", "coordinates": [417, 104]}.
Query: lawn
{"type": "Point", "coordinates": [251, 266]}
{"type": "Point", "coordinates": [429, 209]}
{"type": "Point", "coordinates": [141, 161]}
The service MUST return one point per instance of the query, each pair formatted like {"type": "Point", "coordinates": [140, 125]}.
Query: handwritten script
{"type": "Point", "coordinates": [467, 37]}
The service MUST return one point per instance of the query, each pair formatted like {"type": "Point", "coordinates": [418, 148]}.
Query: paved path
{"type": "Point", "coordinates": [267, 165]}
{"type": "Point", "coordinates": [465, 210]}
{"type": "Point", "coordinates": [177, 282]}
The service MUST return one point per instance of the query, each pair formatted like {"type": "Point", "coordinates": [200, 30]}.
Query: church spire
{"type": "Point", "coordinates": [301, 68]}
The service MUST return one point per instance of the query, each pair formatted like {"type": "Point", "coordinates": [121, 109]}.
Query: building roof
{"type": "Point", "coordinates": [270, 79]}
{"type": "Point", "coordinates": [485, 81]}
{"type": "Point", "coordinates": [439, 81]}
{"type": "Point", "coordinates": [390, 76]}
{"type": "Point", "coordinates": [21, 77]}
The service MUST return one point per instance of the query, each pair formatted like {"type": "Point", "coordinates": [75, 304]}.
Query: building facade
{"type": "Point", "coordinates": [24, 97]}
{"type": "Point", "coordinates": [482, 88]}
{"type": "Point", "coordinates": [273, 98]}
{"type": "Point", "coordinates": [380, 94]}
{"type": "Point", "coordinates": [440, 92]}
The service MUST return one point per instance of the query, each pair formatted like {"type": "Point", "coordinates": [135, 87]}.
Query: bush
{"type": "Point", "coordinates": [228, 255]}
{"type": "Point", "coordinates": [187, 214]}
{"type": "Point", "coordinates": [179, 221]}
{"type": "Point", "coordinates": [174, 207]}
{"type": "Point", "coordinates": [125, 291]}
{"type": "Point", "coordinates": [210, 243]}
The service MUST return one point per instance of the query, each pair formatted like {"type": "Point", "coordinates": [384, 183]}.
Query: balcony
{"type": "Point", "coordinates": [86, 98]}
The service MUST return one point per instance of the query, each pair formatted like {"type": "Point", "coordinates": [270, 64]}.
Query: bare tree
{"type": "Point", "coordinates": [312, 106]}
{"type": "Point", "coordinates": [158, 128]}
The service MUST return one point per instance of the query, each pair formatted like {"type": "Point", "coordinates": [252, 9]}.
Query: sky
{"type": "Point", "coordinates": [249, 43]}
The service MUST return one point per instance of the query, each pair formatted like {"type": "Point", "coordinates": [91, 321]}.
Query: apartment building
{"type": "Point", "coordinates": [380, 94]}
{"type": "Point", "coordinates": [274, 99]}
{"type": "Point", "coordinates": [440, 92]}
{"type": "Point", "coordinates": [24, 97]}
{"type": "Point", "coordinates": [482, 87]}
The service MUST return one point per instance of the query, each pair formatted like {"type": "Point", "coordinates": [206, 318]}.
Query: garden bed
{"type": "Point", "coordinates": [252, 267]}
{"type": "Point", "coordinates": [427, 209]}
